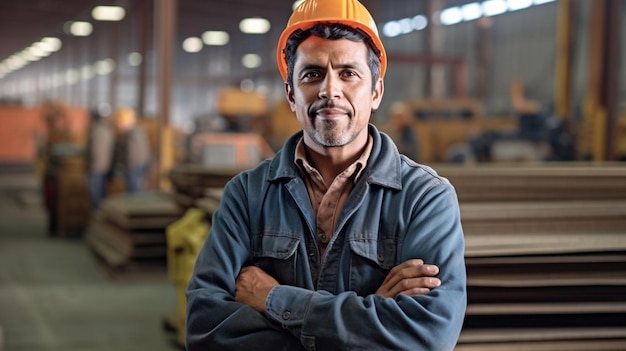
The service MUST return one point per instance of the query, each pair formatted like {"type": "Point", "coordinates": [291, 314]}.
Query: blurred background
{"type": "Point", "coordinates": [520, 103]}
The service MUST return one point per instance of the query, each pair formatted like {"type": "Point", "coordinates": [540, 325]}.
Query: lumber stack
{"type": "Point", "coordinates": [128, 230]}
{"type": "Point", "coordinates": [545, 255]}
{"type": "Point", "coordinates": [536, 182]}
{"type": "Point", "coordinates": [192, 181]}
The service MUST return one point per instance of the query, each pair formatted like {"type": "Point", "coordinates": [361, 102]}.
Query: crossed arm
{"type": "Point", "coordinates": [412, 277]}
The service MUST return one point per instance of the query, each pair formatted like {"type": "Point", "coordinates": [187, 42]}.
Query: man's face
{"type": "Point", "coordinates": [332, 92]}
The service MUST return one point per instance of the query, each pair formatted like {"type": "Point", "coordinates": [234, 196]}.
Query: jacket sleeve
{"type": "Point", "coordinates": [346, 321]}
{"type": "Point", "coordinates": [215, 321]}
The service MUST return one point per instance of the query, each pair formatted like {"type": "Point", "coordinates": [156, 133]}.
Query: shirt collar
{"type": "Point", "coordinates": [301, 161]}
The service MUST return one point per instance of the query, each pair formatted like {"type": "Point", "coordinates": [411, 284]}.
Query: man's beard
{"type": "Point", "coordinates": [328, 132]}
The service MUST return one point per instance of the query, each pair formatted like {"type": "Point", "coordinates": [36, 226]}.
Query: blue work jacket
{"type": "Point", "coordinates": [398, 210]}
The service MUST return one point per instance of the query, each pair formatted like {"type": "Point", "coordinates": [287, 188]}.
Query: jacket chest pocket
{"type": "Point", "coordinates": [277, 254]}
{"type": "Point", "coordinates": [371, 259]}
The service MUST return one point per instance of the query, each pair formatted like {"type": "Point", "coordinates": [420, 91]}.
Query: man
{"type": "Point", "coordinates": [99, 154]}
{"type": "Point", "coordinates": [132, 149]}
{"type": "Point", "coordinates": [338, 242]}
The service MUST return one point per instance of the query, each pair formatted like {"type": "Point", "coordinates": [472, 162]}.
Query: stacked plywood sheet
{"type": "Point", "coordinates": [191, 181]}
{"type": "Point", "coordinates": [129, 229]}
{"type": "Point", "coordinates": [537, 182]}
{"type": "Point", "coordinates": [545, 254]}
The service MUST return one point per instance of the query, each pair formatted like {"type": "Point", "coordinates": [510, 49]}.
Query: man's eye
{"type": "Point", "coordinates": [312, 74]}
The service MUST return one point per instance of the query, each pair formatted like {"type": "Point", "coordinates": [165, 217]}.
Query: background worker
{"type": "Point", "coordinates": [99, 156]}
{"type": "Point", "coordinates": [338, 242]}
{"type": "Point", "coordinates": [133, 154]}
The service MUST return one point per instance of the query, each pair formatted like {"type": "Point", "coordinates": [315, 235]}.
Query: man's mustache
{"type": "Point", "coordinates": [328, 104]}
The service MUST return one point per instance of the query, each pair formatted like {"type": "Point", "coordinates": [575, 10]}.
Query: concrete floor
{"type": "Point", "coordinates": [56, 296]}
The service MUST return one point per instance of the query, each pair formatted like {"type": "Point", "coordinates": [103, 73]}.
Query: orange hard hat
{"type": "Point", "coordinates": [124, 117]}
{"type": "Point", "coordinates": [348, 12]}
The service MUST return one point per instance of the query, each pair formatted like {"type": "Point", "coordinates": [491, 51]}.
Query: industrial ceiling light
{"type": "Point", "coordinates": [78, 28]}
{"type": "Point", "coordinates": [49, 44]}
{"type": "Point", "coordinates": [135, 59]}
{"type": "Point", "coordinates": [192, 44]}
{"type": "Point", "coordinates": [105, 66]}
{"type": "Point", "coordinates": [471, 11]}
{"type": "Point", "coordinates": [419, 22]}
{"type": "Point", "coordinates": [391, 29]}
{"type": "Point", "coordinates": [450, 16]}
{"type": "Point", "coordinates": [215, 37]}
{"type": "Point", "coordinates": [87, 72]}
{"type": "Point", "coordinates": [251, 60]}
{"type": "Point", "coordinates": [29, 55]}
{"type": "Point", "coordinates": [494, 7]}
{"type": "Point", "coordinates": [37, 50]}
{"type": "Point", "coordinates": [519, 4]}
{"type": "Point", "coordinates": [15, 62]}
{"type": "Point", "coordinates": [108, 13]}
{"type": "Point", "coordinates": [255, 25]}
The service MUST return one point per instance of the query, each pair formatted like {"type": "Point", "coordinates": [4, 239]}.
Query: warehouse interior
{"type": "Point", "coordinates": [521, 104]}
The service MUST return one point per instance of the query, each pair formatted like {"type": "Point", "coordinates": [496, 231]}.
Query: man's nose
{"type": "Point", "coordinates": [330, 88]}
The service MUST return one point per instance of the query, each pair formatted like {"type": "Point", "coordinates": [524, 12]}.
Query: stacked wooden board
{"type": "Point", "coordinates": [545, 254]}
{"type": "Point", "coordinates": [192, 181]}
{"type": "Point", "coordinates": [128, 230]}
{"type": "Point", "coordinates": [536, 182]}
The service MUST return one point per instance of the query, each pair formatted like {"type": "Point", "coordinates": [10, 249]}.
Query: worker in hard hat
{"type": "Point", "coordinates": [339, 242]}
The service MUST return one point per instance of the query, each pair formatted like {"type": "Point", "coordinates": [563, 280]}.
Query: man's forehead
{"type": "Point", "coordinates": [316, 47]}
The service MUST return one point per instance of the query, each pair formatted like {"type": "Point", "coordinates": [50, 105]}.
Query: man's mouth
{"type": "Point", "coordinates": [331, 113]}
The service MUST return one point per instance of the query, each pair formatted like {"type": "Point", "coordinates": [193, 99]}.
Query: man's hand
{"type": "Point", "coordinates": [411, 277]}
{"type": "Point", "coordinates": [253, 286]}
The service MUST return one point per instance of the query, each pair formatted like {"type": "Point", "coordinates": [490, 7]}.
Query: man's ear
{"type": "Point", "coordinates": [289, 93]}
{"type": "Point", "coordinates": [377, 94]}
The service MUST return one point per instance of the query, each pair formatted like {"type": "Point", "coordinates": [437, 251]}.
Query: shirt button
{"type": "Point", "coordinates": [323, 238]}
{"type": "Point", "coordinates": [381, 258]}
{"type": "Point", "coordinates": [286, 315]}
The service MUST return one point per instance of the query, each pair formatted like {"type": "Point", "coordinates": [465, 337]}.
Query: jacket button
{"type": "Point", "coordinates": [381, 258]}
{"type": "Point", "coordinates": [286, 315]}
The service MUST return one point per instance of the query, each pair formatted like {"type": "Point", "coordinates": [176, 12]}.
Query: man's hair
{"type": "Point", "coordinates": [332, 31]}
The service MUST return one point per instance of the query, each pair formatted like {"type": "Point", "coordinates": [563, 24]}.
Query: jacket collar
{"type": "Point", "coordinates": [383, 167]}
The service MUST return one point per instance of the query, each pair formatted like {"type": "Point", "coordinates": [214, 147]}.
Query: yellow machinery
{"type": "Point", "coordinates": [185, 238]}
{"type": "Point", "coordinates": [283, 124]}
{"type": "Point", "coordinates": [442, 123]}
{"type": "Point", "coordinates": [235, 103]}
